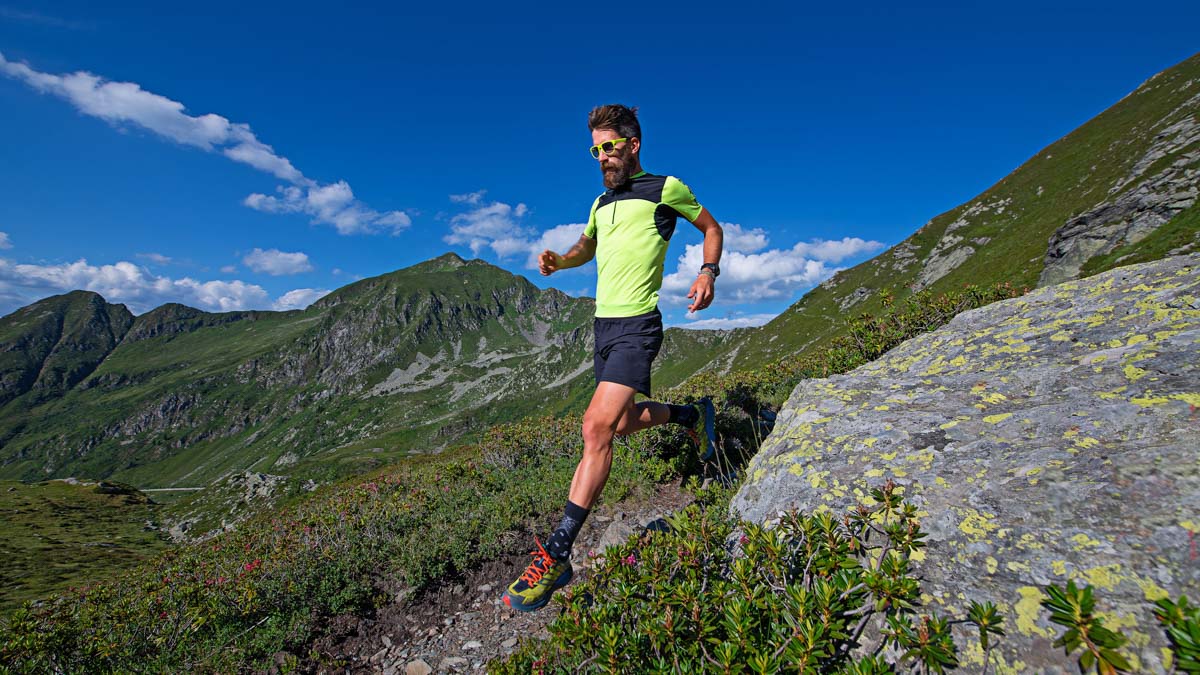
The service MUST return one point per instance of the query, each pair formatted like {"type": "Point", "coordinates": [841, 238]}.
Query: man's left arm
{"type": "Point", "coordinates": [703, 290]}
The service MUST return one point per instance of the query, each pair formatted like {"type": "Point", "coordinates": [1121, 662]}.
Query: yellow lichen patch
{"type": "Point", "coordinates": [1061, 336]}
{"type": "Point", "coordinates": [1136, 340]}
{"type": "Point", "coordinates": [881, 407]}
{"type": "Point", "coordinates": [948, 425]}
{"type": "Point", "coordinates": [1082, 541]}
{"type": "Point", "coordinates": [816, 479]}
{"type": "Point", "coordinates": [1133, 373]}
{"type": "Point", "coordinates": [918, 555]}
{"type": "Point", "coordinates": [759, 475]}
{"type": "Point", "coordinates": [1149, 400]}
{"type": "Point", "coordinates": [796, 469]}
{"type": "Point", "coordinates": [1059, 567]}
{"type": "Point", "coordinates": [941, 482]}
{"type": "Point", "coordinates": [977, 526]}
{"type": "Point", "coordinates": [1190, 526]}
{"type": "Point", "coordinates": [874, 473]}
{"type": "Point", "coordinates": [979, 387]}
{"type": "Point", "coordinates": [870, 442]}
{"type": "Point", "coordinates": [1115, 393]}
{"type": "Point", "coordinates": [994, 398]}
{"type": "Point", "coordinates": [1030, 542]}
{"type": "Point", "coordinates": [992, 564]}
{"type": "Point", "coordinates": [1190, 399]}
{"type": "Point", "coordinates": [1104, 576]}
{"type": "Point", "coordinates": [899, 473]}
{"type": "Point", "coordinates": [1028, 608]}
{"type": "Point", "coordinates": [1016, 566]}
{"type": "Point", "coordinates": [1086, 442]}
{"type": "Point", "coordinates": [996, 419]}
{"type": "Point", "coordinates": [1151, 590]}
{"type": "Point", "coordinates": [958, 361]}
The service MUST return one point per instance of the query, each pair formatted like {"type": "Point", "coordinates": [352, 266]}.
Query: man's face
{"type": "Point", "coordinates": [619, 166]}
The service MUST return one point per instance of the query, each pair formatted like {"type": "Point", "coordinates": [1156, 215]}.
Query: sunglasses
{"type": "Point", "coordinates": [607, 147]}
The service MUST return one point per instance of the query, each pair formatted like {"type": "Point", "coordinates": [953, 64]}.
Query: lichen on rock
{"type": "Point", "coordinates": [1044, 438]}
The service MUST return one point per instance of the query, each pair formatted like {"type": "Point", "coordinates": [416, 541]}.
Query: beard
{"type": "Point", "coordinates": [616, 175]}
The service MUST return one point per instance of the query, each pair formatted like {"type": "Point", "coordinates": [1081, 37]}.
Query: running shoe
{"type": "Point", "coordinates": [705, 431]}
{"type": "Point", "coordinates": [539, 581]}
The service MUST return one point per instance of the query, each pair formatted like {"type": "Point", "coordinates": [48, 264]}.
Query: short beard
{"type": "Point", "coordinates": [618, 176]}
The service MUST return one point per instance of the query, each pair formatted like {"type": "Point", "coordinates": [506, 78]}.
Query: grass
{"type": "Point", "coordinates": [53, 534]}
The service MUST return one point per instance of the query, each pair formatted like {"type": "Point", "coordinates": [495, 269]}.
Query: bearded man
{"type": "Point", "coordinates": [628, 230]}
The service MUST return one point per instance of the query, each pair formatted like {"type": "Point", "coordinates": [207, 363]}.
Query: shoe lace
{"type": "Point", "coordinates": [542, 562]}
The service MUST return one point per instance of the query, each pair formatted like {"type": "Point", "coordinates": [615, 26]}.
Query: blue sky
{"type": "Point", "coordinates": [232, 157]}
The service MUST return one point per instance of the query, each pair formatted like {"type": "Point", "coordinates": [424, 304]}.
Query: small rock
{"type": "Point", "coordinates": [387, 642]}
{"type": "Point", "coordinates": [418, 667]}
{"type": "Point", "coordinates": [454, 662]}
{"type": "Point", "coordinates": [378, 656]}
{"type": "Point", "coordinates": [468, 616]}
{"type": "Point", "coordinates": [473, 644]}
{"type": "Point", "coordinates": [390, 669]}
{"type": "Point", "coordinates": [486, 588]}
{"type": "Point", "coordinates": [431, 632]}
{"type": "Point", "coordinates": [509, 643]}
{"type": "Point", "coordinates": [448, 621]}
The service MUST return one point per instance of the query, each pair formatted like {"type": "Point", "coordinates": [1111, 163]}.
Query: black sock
{"type": "Point", "coordinates": [560, 542]}
{"type": "Point", "coordinates": [687, 415]}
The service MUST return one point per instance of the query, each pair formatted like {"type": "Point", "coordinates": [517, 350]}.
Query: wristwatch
{"type": "Point", "coordinates": [714, 267]}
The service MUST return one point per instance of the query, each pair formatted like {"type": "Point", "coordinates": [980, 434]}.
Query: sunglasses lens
{"type": "Point", "coordinates": [596, 152]}
{"type": "Point", "coordinates": [608, 147]}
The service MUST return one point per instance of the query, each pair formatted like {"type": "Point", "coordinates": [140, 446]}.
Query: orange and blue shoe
{"type": "Point", "coordinates": [539, 581]}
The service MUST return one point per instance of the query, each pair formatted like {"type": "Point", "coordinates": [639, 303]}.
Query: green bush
{"type": "Point", "coordinates": [715, 595]}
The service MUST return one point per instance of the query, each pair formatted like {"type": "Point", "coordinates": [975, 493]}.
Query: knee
{"type": "Point", "coordinates": [597, 431]}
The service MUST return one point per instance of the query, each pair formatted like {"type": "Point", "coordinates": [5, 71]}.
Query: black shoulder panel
{"type": "Point", "coordinates": [646, 186]}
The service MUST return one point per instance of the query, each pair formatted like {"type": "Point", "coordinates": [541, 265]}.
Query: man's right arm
{"type": "Point", "coordinates": [582, 252]}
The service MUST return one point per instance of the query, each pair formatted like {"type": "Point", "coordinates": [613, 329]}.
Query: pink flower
{"type": "Point", "coordinates": [630, 560]}
{"type": "Point", "coordinates": [744, 540]}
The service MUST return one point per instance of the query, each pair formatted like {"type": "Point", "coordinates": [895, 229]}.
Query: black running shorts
{"type": "Point", "coordinates": [625, 348]}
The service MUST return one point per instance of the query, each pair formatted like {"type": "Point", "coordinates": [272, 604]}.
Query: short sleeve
{"type": "Point", "coordinates": [678, 196]}
{"type": "Point", "coordinates": [590, 230]}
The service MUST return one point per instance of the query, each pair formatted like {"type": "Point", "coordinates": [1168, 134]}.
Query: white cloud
{"type": "Point", "coordinates": [747, 321]}
{"type": "Point", "coordinates": [299, 298]}
{"type": "Point", "coordinates": [498, 226]}
{"type": "Point", "coordinates": [332, 204]}
{"type": "Point", "coordinates": [156, 258]}
{"type": "Point", "coordinates": [751, 274]}
{"type": "Point", "coordinates": [228, 269]}
{"type": "Point", "coordinates": [473, 198]}
{"type": "Point", "coordinates": [4, 241]}
{"type": "Point", "coordinates": [276, 262]}
{"type": "Point", "coordinates": [135, 286]}
{"type": "Point", "coordinates": [126, 103]}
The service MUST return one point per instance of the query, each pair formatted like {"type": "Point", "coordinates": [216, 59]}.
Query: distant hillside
{"type": "Point", "coordinates": [1120, 189]}
{"type": "Point", "coordinates": [404, 362]}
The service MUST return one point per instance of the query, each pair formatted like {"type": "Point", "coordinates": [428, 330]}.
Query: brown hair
{"type": "Point", "coordinates": [616, 117]}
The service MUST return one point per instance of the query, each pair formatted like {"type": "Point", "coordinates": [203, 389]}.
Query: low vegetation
{"type": "Point", "coordinates": [239, 599]}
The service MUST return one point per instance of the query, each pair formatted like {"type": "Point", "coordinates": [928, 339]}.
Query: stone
{"type": "Point", "coordinates": [485, 588]}
{"type": "Point", "coordinates": [509, 643]}
{"type": "Point", "coordinates": [453, 663]}
{"type": "Point", "coordinates": [472, 645]}
{"type": "Point", "coordinates": [378, 656]}
{"type": "Point", "coordinates": [418, 667]}
{"type": "Point", "coordinates": [387, 641]}
{"type": "Point", "coordinates": [1043, 438]}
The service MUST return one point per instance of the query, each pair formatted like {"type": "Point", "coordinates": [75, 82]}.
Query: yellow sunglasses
{"type": "Point", "coordinates": [607, 147]}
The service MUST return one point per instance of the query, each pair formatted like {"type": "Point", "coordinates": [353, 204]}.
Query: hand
{"type": "Point", "coordinates": [549, 262]}
{"type": "Point", "coordinates": [703, 292]}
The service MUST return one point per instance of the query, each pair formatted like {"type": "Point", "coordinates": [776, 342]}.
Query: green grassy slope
{"type": "Point", "coordinates": [1008, 226]}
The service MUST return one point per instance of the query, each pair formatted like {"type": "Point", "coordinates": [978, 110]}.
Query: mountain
{"type": "Point", "coordinates": [1118, 190]}
{"type": "Point", "coordinates": [402, 363]}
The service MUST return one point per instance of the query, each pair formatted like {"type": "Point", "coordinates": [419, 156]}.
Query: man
{"type": "Point", "coordinates": [628, 231]}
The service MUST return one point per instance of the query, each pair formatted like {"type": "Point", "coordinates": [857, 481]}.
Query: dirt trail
{"type": "Point", "coordinates": [460, 624]}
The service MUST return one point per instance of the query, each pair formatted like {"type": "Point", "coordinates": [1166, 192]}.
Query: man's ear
{"type": "Point", "coordinates": [635, 145]}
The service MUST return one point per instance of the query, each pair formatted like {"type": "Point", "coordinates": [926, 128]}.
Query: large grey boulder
{"type": "Point", "coordinates": [1050, 437]}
